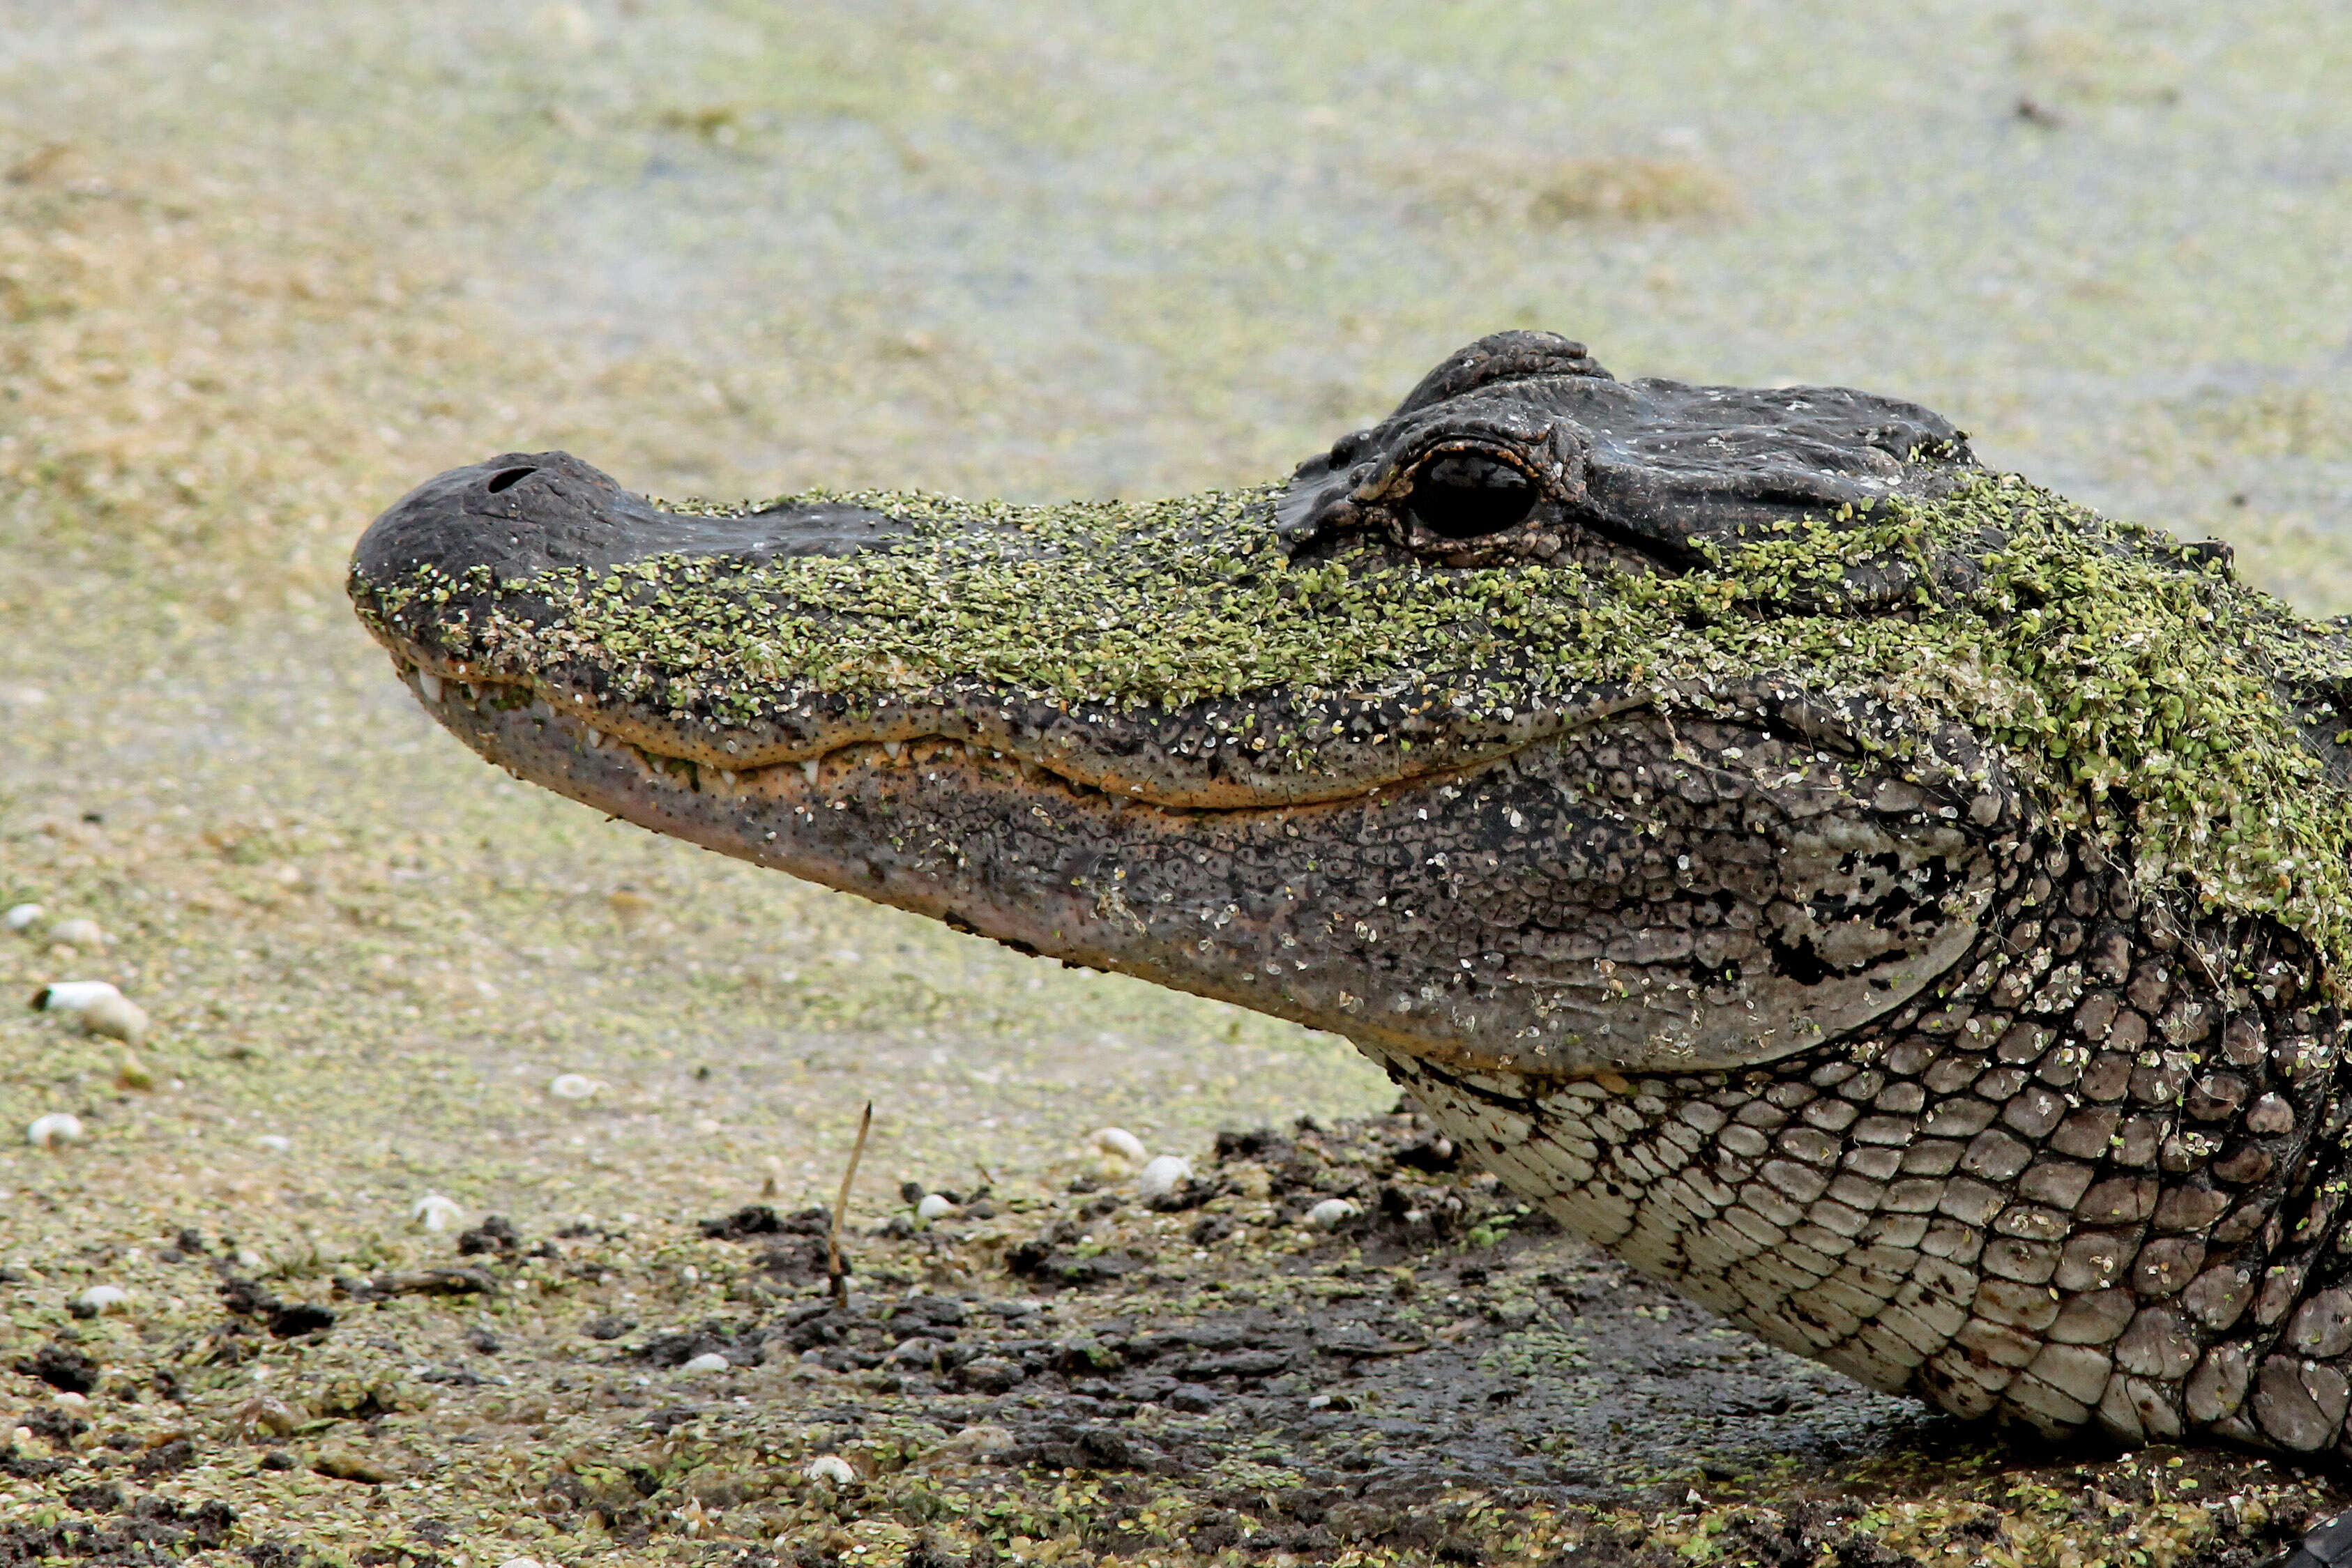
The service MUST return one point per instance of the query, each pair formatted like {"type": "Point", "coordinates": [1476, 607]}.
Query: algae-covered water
{"type": "Point", "coordinates": [263, 266]}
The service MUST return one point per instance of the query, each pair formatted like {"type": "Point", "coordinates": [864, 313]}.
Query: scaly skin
{"type": "Point", "coordinates": [1902, 910]}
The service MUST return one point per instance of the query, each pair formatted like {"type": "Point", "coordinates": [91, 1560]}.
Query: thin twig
{"type": "Point", "coordinates": [834, 1271]}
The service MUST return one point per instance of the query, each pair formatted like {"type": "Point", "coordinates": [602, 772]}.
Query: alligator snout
{"type": "Point", "coordinates": [521, 514]}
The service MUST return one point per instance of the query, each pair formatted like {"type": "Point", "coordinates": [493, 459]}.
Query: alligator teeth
{"type": "Point", "coordinates": [428, 685]}
{"type": "Point", "coordinates": [595, 739]}
{"type": "Point", "coordinates": [890, 749]}
{"type": "Point", "coordinates": [726, 776]}
{"type": "Point", "coordinates": [808, 770]}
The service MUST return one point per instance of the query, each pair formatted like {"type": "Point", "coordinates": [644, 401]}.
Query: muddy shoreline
{"type": "Point", "coordinates": [1438, 1375]}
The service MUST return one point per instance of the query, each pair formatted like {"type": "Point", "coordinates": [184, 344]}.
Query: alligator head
{"type": "Point", "coordinates": [1359, 753]}
{"type": "Point", "coordinates": [1609, 759]}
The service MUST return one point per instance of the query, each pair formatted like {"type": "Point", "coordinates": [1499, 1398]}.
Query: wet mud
{"type": "Point", "coordinates": [1225, 1373]}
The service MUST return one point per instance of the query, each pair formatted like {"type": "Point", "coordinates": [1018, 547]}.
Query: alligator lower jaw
{"type": "Point", "coordinates": [889, 822]}
{"type": "Point", "coordinates": [1396, 914]}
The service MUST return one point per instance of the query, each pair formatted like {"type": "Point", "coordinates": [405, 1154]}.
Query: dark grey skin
{"type": "Point", "coordinates": [1869, 1060]}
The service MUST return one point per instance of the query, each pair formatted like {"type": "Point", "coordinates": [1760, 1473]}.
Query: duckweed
{"type": "Point", "coordinates": [2140, 696]}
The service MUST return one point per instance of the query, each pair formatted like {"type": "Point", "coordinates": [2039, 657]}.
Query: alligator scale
{"type": "Point", "coordinates": [1901, 908]}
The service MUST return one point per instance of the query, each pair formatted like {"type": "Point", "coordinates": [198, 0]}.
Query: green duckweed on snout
{"type": "Point", "coordinates": [2136, 693]}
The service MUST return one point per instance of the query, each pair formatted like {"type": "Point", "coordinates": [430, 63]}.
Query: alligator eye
{"type": "Point", "coordinates": [1463, 494]}
{"type": "Point", "coordinates": [507, 479]}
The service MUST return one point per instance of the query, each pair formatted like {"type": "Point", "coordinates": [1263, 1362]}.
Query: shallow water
{"type": "Point", "coordinates": [1133, 255]}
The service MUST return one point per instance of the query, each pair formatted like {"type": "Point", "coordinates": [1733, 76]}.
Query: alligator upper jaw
{"type": "Point", "coordinates": [455, 580]}
{"type": "Point", "coordinates": [1492, 888]}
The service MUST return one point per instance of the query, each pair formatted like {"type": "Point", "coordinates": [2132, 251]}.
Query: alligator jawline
{"type": "Point", "coordinates": [599, 729]}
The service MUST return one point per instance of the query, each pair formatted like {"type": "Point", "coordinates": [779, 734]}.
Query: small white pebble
{"type": "Point", "coordinates": [573, 1086]}
{"type": "Point", "coordinates": [517, 1562]}
{"type": "Point", "coordinates": [21, 915]}
{"type": "Point", "coordinates": [974, 1442]}
{"type": "Point", "coordinates": [933, 1207]}
{"type": "Point", "coordinates": [434, 1212]}
{"type": "Point", "coordinates": [276, 1142]}
{"type": "Point", "coordinates": [104, 1299]}
{"type": "Point", "coordinates": [266, 1413]}
{"type": "Point", "coordinates": [54, 1129]}
{"type": "Point", "coordinates": [1163, 1175]}
{"type": "Point", "coordinates": [831, 1468]}
{"type": "Point", "coordinates": [22, 1436]}
{"type": "Point", "coordinates": [708, 1360]}
{"type": "Point", "coordinates": [79, 932]}
{"type": "Point", "coordinates": [1117, 1141]}
{"type": "Point", "coordinates": [73, 996]}
{"type": "Point", "coordinates": [69, 1399]}
{"type": "Point", "coordinates": [246, 1257]}
{"type": "Point", "coordinates": [1331, 1212]}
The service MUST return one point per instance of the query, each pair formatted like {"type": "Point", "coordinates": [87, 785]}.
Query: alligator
{"type": "Point", "coordinates": [1901, 908]}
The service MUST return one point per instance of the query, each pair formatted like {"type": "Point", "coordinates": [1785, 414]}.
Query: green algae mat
{"type": "Point", "coordinates": [459, 1205]}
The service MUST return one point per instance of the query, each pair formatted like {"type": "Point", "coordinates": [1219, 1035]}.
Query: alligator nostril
{"type": "Point", "coordinates": [1464, 494]}
{"type": "Point", "coordinates": [509, 478]}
